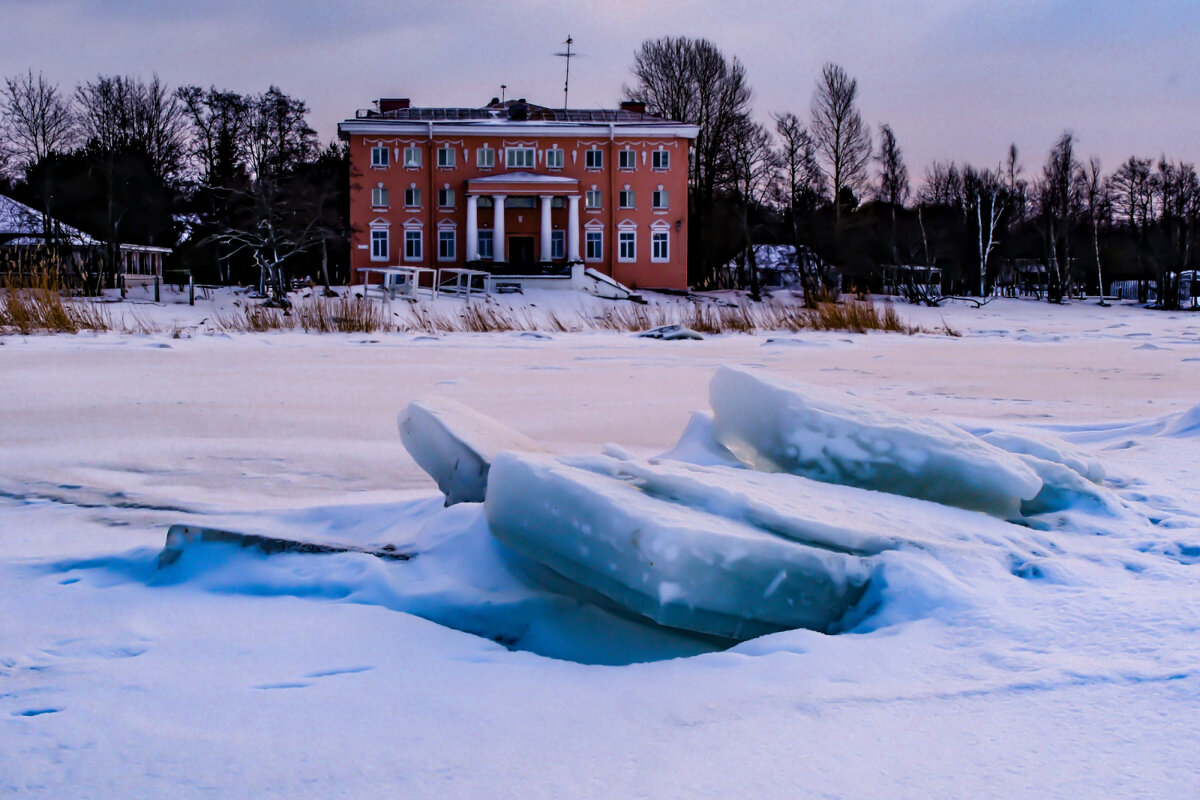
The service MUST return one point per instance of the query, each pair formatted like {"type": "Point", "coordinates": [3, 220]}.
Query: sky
{"type": "Point", "coordinates": [957, 80]}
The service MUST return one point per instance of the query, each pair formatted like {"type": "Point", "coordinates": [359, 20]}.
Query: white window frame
{"type": "Point", "coordinates": [626, 198]}
{"type": "Point", "coordinates": [486, 235]}
{"type": "Point", "coordinates": [412, 253]}
{"type": "Point", "coordinates": [595, 194]}
{"type": "Point", "coordinates": [412, 157]}
{"type": "Point", "coordinates": [412, 197]}
{"type": "Point", "coordinates": [627, 236]}
{"type": "Point", "coordinates": [446, 197]}
{"type": "Point", "coordinates": [660, 236]}
{"type": "Point", "coordinates": [660, 159]}
{"type": "Point", "coordinates": [446, 157]}
{"type": "Point", "coordinates": [447, 235]}
{"type": "Point", "coordinates": [515, 157]}
{"type": "Point", "coordinates": [381, 157]}
{"type": "Point", "coordinates": [593, 158]}
{"type": "Point", "coordinates": [596, 237]}
{"type": "Point", "coordinates": [485, 157]}
{"type": "Point", "coordinates": [660, 199]}
{"type": "Point", "coordinates": [554, 154]}
{"type": "Point", "coordinates": [380, 197]}
{"type": "Point", "coordinates": [380, 235]}
{"type": "Point", "coordinates": [627, 154]}
{"type": "Point", "coordinates": [558, 245]}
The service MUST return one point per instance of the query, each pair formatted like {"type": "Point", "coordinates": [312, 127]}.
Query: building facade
{"type": "Point", "coordinates": [514, 188]}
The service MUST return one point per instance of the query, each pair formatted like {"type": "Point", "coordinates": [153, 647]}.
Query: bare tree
{"type": "Point", "coordinates": [36, 121]}
{"type": "Point", "coordinates": [984, 205]}
{"type": "Point", "coordinates": [1179, 199]}
{"type": "Point", "coordinates": [1099, 211]}
{"type": "Point", "coordinates": [1131, 191]}
{"type": "Point", "coordinates": [893, 186]}
{"type": "Point", "coordinates": [1060, 205]}
{"type": "Point", "coordinates": [803, 183]}
{"type": "Point", "coordinates": [843, 139]}
{"type": "Point", "coordinates": [121, 113]}
{"type": "Point", "coordinates": [754, 165]}
{"type": "Point", "coordinates": [943, 185]}
{"type": "Point", "coordinates": [691, 80]}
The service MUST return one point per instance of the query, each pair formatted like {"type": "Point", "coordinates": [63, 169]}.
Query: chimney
{"type": "Point", "coordinates": [636, 106]}
{"type": "Point", "coordinates": [387, 104]}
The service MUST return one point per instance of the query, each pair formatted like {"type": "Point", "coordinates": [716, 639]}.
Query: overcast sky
{"type": "Point", "coordinates": [956, 79]}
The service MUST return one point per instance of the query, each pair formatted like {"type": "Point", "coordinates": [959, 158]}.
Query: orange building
{"type": "Point", "coordinates": [518, 189]}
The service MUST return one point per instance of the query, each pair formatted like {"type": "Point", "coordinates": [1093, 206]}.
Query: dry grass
{"type": "Point", "coordinates": [38, 308]}
{"type": "Point", "coordinates": [34, 304]}
{"type": "Point", "coordinates": [356, 315]}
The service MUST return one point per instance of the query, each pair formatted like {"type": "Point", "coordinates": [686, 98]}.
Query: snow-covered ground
{"type": "Point", "coordinates": [1075, 672]}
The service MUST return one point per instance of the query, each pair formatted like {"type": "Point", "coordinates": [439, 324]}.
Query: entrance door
{"type": "Point", "coordinates": [520, 250]}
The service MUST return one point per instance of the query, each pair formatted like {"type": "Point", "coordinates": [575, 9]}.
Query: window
{"type": "Point", "coordinates": [485, 244]}
{"type": "Point", "coordinates": [485, 158]}
{"type": "Point", "coordinates": [627, 159]}
{"type": "Point", "coordinates": [660, 159]}
{"type": "Point", "coordinates": [446, 245]}
{"type": "Point", "coordinates": [412, 245]}
{"type": "Point", "coordinates": [379, 156]}
{"type": "Point", "coordinates": [660, 246]}
{"type": "Point", "coordinates": [593, 159]}
{"type": "Point", "coordinates": [521, 201]}
{"type": "Point", "coordinates": [520, 157]}
{"type": "Point", "coordinates": [554, 159]}
{"type": "Point", "coordinates": [379, 245]}
{"type": "Point", "coordinates": [446, 157]}
{"type": "Point", "coordinates": [446, 198]}
{"type": "Point", "coordinates": [625, 198]}
{"type": "Point", "coordinates": [627, 246]}
{"type": "Point", "coordinates": [412, 156]}
{"type": "Point", "coordinates": [595, 245]}
{"type": "Point", "coordinates": [592, 199]}
{"type": "Point", "coordinates": [558, 244]}
{"type": "Point", "coordinates": [412, 197]}
{"type": "Point", "coordinates": [379, 197]}
{"type": "Point", "coordinates": [660, 198]}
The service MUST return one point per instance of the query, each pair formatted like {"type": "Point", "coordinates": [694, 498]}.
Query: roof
{"type": "Point", "coordinates": [515, 116]}
{"type": "Point", "coordinates": [18, 220]}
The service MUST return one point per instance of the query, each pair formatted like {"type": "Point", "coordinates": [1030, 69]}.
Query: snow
{"type": "Point", "coordinates": [1056, 659]}
{"type": "Point", "coordinates": [456, 445]}
{"type": "Point", "coordinates": [780, 425]}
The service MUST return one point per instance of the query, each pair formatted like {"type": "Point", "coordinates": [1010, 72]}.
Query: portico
{"type": "Point", "coordinates": [545, 188]}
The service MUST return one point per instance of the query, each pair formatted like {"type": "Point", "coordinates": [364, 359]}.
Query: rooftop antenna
{"type": "Point", "coordinates": [503, 86]}
{"type": "Point", "coordinates": [568, 55]}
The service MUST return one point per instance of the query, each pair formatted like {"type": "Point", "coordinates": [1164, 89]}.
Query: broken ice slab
{"type": "Point", "coordinates": [678, 565]}
{"type": "Point", "coordinates": [777, 425]}
{"type": "Point", "coordinates": [181, 537]}
{"type": "Point", "coordinates": [670, 333]}
{"type": "Point", "coordinates": [1047, 448]}
{"type": "Point", "coordinates": [841, 518]}
{"type": "Point", "coordinates": [455, 445]}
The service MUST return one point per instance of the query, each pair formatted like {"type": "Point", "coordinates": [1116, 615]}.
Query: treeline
{"type": "Point", "coordinates": [237, 184]}
{"type": "Point", "coordinates": [841, 194]}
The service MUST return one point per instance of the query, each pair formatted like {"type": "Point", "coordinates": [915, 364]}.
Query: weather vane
{"type": "Point", "coordinates": [568, 55]}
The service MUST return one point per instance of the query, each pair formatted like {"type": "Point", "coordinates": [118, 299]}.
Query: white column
{"type": "Point", "coordinates": [498, 228]}
{"type": "Point", "coordinates": [472, 228]}
{"type": "Point", "coordinates": [573, 228]}
{"type": "Point", "coordinates": [547, 200]}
